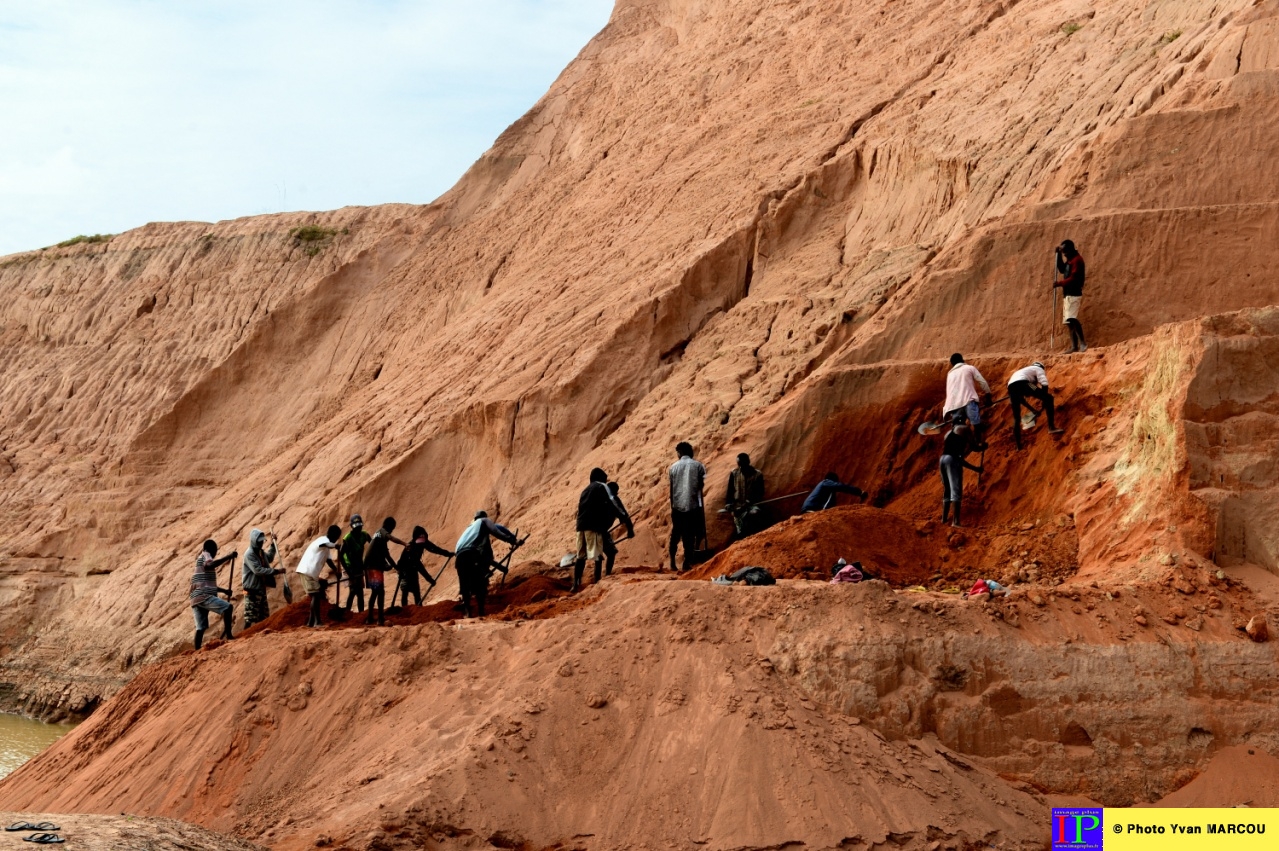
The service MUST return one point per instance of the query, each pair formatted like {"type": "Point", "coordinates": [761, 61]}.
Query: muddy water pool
{"type": "Point", "coordinates": [22, 738]}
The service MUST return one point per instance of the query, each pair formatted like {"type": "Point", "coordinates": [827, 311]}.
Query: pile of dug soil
{"type": "Point", "coordinates": [904, 551]}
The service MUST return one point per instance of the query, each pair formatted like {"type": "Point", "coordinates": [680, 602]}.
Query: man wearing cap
{"type": "Point", "coordinates": [1030, 382]}
{"type": "Point", "coordinates": [351, 558]}
{"type": "Point", "coordinates": [474, 554]}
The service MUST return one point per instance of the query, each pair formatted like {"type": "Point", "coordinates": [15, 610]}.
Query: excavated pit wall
{"type": "Point", "coordinates": [1068, 708]}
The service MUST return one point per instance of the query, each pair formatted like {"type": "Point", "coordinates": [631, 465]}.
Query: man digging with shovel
{"type": "Point", "coordinates": [312, 564]}
{"type": "Point", "coordinates": [474, 555]}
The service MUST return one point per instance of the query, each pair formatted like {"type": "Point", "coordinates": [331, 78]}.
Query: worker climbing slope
{"type": "Point", "coordinates": [1030, 382]}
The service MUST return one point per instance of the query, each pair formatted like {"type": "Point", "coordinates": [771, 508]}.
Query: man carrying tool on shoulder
{"type": "Point", "coordinates": [961, 397]}
{"type": "Point", "coordinates": [1030, 382]}
{"type": "Point", "coordinates": [474, 555]}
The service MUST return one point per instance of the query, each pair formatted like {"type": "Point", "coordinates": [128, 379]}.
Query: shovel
{"type": "Point", "coordinates": [930, 428]}
{"type": "Point", "coordinates": [336, 612]}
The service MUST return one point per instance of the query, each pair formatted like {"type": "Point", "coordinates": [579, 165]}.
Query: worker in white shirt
{"type": "Point", "coordinates": [1030, 382]}
{"type": "Point", "coordinates": [962, 397]}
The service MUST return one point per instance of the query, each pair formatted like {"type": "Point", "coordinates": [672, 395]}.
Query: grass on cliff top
{"type": "Point", "coordinates": [314, 237]}
{"type": "Point", "coordinates": [90, 240]}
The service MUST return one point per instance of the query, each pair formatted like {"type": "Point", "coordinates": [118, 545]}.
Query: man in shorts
{"type": "Point", "coordinates": [205, 591]}
{"type": "Point", "coordinates": [596, 514]}
{"type": "Point", "coordinates": [313, 562]}
{"type": "Point", "coordinates": [1071, 265]}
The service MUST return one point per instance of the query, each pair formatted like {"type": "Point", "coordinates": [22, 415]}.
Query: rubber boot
{"type": "Point", "coordinates": [579, 568]}
{"type": "Point", "coordinates": [199, 638]}
{"type": "Point", "coordinates": [956, 523]}
{"type": "Point", "coordinates": [599, 567]}
{"type": "Point", "coordinates": [608, 565]}
{"type": "Point", "coordinates": [673, 551]}
{"type": "Point", "coordinates": [226, 626]}
{"type": "Point", "coordinates": [945, 511]}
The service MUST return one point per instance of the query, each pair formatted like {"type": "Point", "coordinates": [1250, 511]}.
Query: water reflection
{"type": "Point", "coordinates": [22, 738]}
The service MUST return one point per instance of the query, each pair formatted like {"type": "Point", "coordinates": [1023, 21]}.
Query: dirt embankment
{"type": "Point", "coordinates": [743, 717]}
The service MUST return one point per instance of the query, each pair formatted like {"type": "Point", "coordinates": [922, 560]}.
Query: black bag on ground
{"type": "Point", "coordinates": [753, 576]}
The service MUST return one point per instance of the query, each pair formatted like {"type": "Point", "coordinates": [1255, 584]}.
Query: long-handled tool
{"type": "Point", "coordinates": [336, 612]}
{"type": "Point", "coordinates": [1052, 324]}
{"type": "Point", "coordinates": [930, 428]}
{"type": "Point", "coordinates": [436, 580]}
{"type": "Point", "coordinates": [505, 564]}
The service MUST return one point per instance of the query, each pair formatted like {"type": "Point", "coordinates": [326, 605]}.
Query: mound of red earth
{"type": "Point", "coordinates": [903, 551]}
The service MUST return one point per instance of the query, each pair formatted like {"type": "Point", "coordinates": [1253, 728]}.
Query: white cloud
{"type": "Point", "coordinates": [133, 111]}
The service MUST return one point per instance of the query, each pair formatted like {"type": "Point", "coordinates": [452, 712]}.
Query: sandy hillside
{"type": "Point", "coordinates": [758, 226]}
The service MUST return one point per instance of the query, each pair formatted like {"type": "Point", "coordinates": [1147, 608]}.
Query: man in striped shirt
{"type": "Point", "coordinates": [205, 591]}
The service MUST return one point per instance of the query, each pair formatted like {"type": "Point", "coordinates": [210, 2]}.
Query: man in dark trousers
{"type": "Point", "coordinates": [474, 555]}
{"type": "Point", "coordinates": [410, 566]}
{"type": "Point", "coordinates": [688, 518]}
{"type": "Point", "coordinates": [745, 493]}
{"type": "Point", "coordinates": [377, 561]}
{"type": "Point", "coordinates": [826, 492]}
{"type": "Point", "coordinates": [1071, 265]}
{"type": "Point", "coordinates": [595, 516]}
{"type": "Point", "coordinates": [256, 575]}
{"type": "Point", "coordinates": [351, 558]}
{"type": "Point", "coordinates": [1030, 382]}
{"type": "Point", "coordinates": [956, 446]}
{"type": "Point", "coordinates": [610, 546]}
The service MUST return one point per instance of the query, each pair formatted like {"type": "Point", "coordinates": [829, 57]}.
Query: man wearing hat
{"type": "Point", "coordinates": [1030, 382]}
{"type": "Point", "coordinates": [352, 558]}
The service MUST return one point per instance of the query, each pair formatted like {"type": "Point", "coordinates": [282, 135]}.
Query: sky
{"type": "Point", "coordinates": [116, 113]}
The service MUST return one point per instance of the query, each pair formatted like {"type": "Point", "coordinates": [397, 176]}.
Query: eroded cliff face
{"type": "Point", "coordinates": [738, 223]}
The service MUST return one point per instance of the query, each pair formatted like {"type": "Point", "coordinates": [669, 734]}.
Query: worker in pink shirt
{"type": "Point", "coordinates": [962, 396]}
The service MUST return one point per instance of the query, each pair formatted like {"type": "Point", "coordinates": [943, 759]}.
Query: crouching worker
{"type": "Point", "coordinates": [314, 561]}
{"type": "Point", "coordinates": [1030, 382]}
{"type": "Point", "coordinates": [826, 492]}
{"type": "Point", "coordinates": [205, 591]}
{"type": "Point", "coordinates": [409, 567]}
{"type": "Point", "coordinates": [474, 555]}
